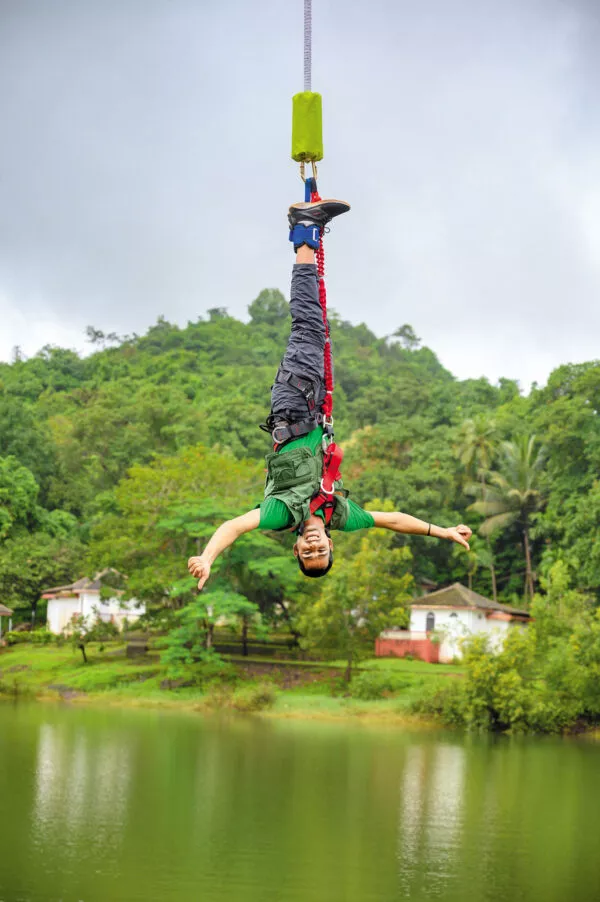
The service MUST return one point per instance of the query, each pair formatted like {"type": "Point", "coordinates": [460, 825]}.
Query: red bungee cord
{"type": "Point", "coordinates": [327, 407]}
{"type": "Point", "coordinates": [333, 455]}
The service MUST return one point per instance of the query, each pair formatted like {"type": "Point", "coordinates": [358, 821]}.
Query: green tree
{"type": "Point", "coordinates": [478, 556]}
{"type": "Point", "coordinates": [546, 677]}
{"type": "Point", "coordinates": [18, 497]}
{"type": "Point", "coordinates": [24, 435]}
{"type": "Point", "coordinates": [189, 647]}
{"type": "Point", "coordinates": [512, 495]}
{"type": "Point", "coordinates": [270, 308]}
{"type": "Point", "coordinates": [33, 563]}
{"type": "Point", "coordinates": [364, 594]}
{"type": "Point", "coordinates": [81, 633]}
{"type": "Point", "coordinates": [408, 337]}
{"type": "Point", "coordinates": [477, 448]}
{"type": "Point", "coordinates": [579, 525]}
{"type": "Point", "coordinates": [163, 513]}
{"type": "Point", "coordinates": [80, 423]}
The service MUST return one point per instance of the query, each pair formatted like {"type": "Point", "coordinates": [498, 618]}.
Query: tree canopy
{"type": "Point", "coordinates": [130, 456]}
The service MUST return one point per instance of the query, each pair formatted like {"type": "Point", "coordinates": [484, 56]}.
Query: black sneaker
{"type": "Point", "coordinates": [319, 212]}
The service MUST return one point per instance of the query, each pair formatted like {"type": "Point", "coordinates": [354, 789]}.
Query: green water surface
{"type": "Point", "coordinates": [111, 805]}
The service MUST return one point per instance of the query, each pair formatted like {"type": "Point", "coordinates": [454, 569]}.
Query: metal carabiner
{"type": "Point", "coordinates": [327, 440]}
{"type": "Point", "coordinates": [303, 170]}
{"type": "Point", "coordinates": [325, 491]}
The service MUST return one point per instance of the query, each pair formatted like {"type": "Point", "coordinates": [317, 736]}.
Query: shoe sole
{"type": "Point", "coordinates": [329, 207]}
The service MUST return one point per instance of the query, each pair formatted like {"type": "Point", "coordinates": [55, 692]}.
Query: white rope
{"type": "Point", "coordinates": [307, 43]}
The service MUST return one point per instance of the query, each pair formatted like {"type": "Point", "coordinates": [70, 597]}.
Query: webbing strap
{"type": "Point", "coordinates": [285, 431]}
{"type": "Point", "coordinates": [305, 386]}
{"type": "Point", "coordinates": [324, 498]}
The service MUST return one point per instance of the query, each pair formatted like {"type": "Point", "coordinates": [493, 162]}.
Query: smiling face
{"type": "Point", "coordinates": [314, 547]}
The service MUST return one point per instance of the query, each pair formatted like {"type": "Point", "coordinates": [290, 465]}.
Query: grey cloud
{"type": "Point", "coordinates": [145, 168]}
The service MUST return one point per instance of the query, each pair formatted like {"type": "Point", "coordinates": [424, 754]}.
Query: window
{"type": "Point", "coordinates": [430, 622]}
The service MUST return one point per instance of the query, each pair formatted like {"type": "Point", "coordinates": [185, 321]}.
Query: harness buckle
{"type": "Point", "coordinates": [325, 491]}
{"type": "Point", "coordinates": [285, 432]}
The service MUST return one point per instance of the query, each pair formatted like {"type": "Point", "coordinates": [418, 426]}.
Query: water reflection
{"type": "Point", "coordinates": [430, 814]}
{"type": "Point", "coordinates": [78, 782]}
{"type": "Point", "coordinates": [133, 806]}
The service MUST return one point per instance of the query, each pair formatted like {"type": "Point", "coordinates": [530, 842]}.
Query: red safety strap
{"type": "Point", "coordinates": [332, 461]}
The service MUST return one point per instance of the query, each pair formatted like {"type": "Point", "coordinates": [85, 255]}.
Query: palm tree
{"type": "Point", "coordinates": [477, 448]}
{"type": "Point", "coordinates": [512, 494]}
{"type": "Point", "coordinates": [478, 557]}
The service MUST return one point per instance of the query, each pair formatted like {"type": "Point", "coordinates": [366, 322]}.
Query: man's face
{"type": "Point", "coordinates": [314, 546]}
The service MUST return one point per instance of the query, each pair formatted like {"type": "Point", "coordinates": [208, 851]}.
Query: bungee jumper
{"type": "Point", "coordinates": [303, 490]}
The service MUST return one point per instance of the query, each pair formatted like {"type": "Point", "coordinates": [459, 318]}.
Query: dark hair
{"type": "Point", "coordinates": [316, 573]}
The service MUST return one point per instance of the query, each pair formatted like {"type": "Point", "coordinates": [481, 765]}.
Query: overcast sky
{"type": "Point", "coordinates": [145, 170]}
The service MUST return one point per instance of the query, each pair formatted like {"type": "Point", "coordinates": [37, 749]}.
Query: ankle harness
{"type": "Point", "coordinates": [305, 234]}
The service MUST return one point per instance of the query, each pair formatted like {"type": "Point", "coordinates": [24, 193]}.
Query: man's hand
{"type": "Point", "coordinates": [221, 539]}
{"type": "Point", "coordinates": [200, 568]}
{"type": "Point", "coordinates": [460, 534]}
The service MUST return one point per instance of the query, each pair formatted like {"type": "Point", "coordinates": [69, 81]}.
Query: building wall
{"type": "Point", "coordinates": [450, 626]}
{"type": "Point", "coordinates": [60, 613]}
{"type": "Point", "coordinates": [399, 643]}
{"type": "Point", "coordinates": [456, 625]}
{"type": "Point", "coordinates": [61, 610]}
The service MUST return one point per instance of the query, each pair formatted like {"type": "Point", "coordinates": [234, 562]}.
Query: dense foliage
{"type": "Point", "coordinates": [130, 456]}
{"type": "Point", "coordinates": [547, 677]}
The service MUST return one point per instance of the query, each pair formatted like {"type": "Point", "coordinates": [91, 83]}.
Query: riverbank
{"type": "Point", "coordinates": [286, 689]}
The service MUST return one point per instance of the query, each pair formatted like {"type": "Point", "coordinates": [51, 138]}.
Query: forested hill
{"type": "Point", "coordinates": [183, 405]}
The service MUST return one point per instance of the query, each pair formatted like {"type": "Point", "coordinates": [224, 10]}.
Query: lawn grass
{"type": "Point", "coordinates": [404, 665]}
{"type": "Point", "coordinates": [44, 666]}
{"type": "Point", "coordinates": [109, 677]}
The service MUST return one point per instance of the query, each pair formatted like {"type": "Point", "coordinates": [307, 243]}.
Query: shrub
{"type": "Point", "coordinates": [447, 703]}
{"type": "Point", "coordinates": [254, 698]}
{"type": "Point", "coordinates": [41, 636]}
{"type": "Point", "coordinates": [213, 670]}
{"type": "Point", "coordinates": [15, 688]}
{"type": "Point", "coordinates": [375, 684]}
{"type": "Point", "coordinates": [14, 638]}
{"type": "Point", "coordinates": [531, 686]}
{"type": "Point", "coordinates": [218, 696]}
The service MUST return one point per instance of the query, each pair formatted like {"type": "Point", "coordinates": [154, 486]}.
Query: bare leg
{"type": "Point", "coordinates": [305, 254]}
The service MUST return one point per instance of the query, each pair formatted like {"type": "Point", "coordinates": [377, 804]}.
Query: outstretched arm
{"type": "Point", "coordinates": [221, 539]}
{"type": "Point", "coordinates": [414, 527]}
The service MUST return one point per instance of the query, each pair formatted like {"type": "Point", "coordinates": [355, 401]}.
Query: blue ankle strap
{"type": "Point", "coordinates": [309, 235]}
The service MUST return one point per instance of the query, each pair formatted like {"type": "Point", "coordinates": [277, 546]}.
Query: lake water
{"type": "Point", "coordinates": [111, 805]}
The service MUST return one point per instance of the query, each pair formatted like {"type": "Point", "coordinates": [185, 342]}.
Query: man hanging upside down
{"type": "Point", "coordinates": [294, 468]}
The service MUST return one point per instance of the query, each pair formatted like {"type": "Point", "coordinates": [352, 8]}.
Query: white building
{"type": "Point", "coordinates": [83, 598]}
{"type": "Point", "coordinates": [5, 612]}
{"type": "Point", "coordinates": [440, 620]}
